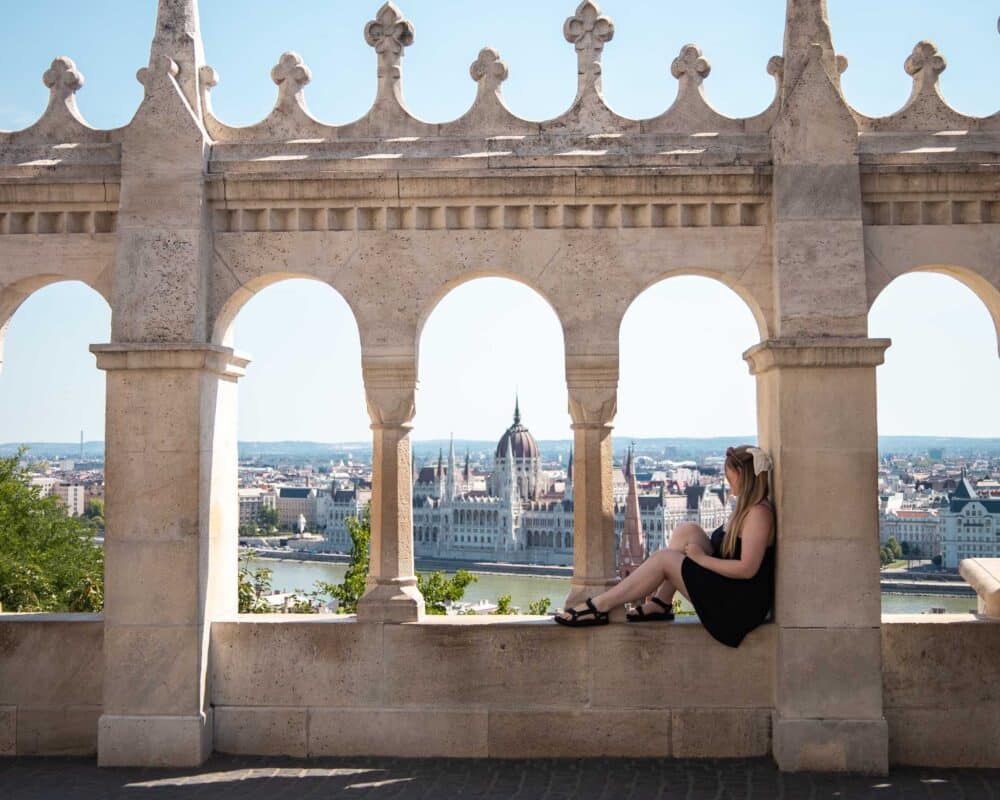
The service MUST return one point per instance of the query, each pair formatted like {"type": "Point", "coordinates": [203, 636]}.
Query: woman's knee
{"type": "Point", "coordinates": [683, 534]}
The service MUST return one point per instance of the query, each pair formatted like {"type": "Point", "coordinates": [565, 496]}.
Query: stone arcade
{"type": "Point", "coordinates": [807, 211]}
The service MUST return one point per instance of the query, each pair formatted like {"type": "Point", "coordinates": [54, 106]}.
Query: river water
{"type": "Point", "coordinates": [291, 575]}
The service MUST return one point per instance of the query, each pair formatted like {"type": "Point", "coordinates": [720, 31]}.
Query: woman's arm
{"type": "Point", "coordinates": [756, 532]}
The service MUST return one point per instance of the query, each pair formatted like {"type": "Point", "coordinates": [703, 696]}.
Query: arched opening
{"type": "Point", "coordinates": [684, 395]}
{"type": "Point", "coordinates": [939, 439]}
{"type": "Point", "coordinates": [492, 437]}
{"type": "Point", "coordinates": [52, 412]}
{"type": "Point", "coordinates": [304, 453]}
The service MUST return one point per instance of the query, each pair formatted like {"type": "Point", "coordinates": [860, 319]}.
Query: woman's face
{"type": "Point", "coordinates": [734, 479]}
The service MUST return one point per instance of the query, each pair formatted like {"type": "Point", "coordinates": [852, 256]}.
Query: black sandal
{"type": "Point", "coordinates": [581, 619]}
{"type": "Point", "coordinates": [657, 616]}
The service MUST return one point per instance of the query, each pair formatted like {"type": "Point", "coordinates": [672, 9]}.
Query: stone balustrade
{"type": "Point", "coordinates": [807, 211]}
{"type": "Point", "coordinates": [983, 575]}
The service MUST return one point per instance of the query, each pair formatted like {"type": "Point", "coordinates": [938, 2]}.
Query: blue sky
{"type": "Point", "coordinates": [681, 371]}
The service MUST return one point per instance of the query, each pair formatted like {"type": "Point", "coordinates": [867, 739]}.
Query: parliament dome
{"type": "Point", "coordinates": [522, 443]}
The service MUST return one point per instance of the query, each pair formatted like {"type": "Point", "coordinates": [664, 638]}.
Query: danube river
{"type": "Point", "coordinates": [523, 589]}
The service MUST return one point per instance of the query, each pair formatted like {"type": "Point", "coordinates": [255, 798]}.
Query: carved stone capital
{"type": "Point", "coordinates": [592, 385]}
{"type": "Point", "coordinates": [820, 352]}
{"type": "Point", "coordinates": [390, 390]}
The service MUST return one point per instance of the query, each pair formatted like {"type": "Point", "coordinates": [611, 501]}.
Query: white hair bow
{"type": "Point", "coordinates": [761, 460]}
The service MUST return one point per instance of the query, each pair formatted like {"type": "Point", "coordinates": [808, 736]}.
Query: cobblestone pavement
{"type": "Point", "coordinates": [443, 779]}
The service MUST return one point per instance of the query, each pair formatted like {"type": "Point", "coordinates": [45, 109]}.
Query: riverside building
{"type": "Point", "coordinates": [524, 517]}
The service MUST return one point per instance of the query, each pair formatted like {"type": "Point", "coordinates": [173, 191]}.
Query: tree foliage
{"type": "Point", "coordinates": [504, 606]}
{"type": "Point", "coordinates": [48, 561]}
{"type": "Point", "coordinates": [437, 587]}
{"type": "Point", "coordinates": [349, 591]}
{"type": "Point", "coordinates": [539, 607]}
{"type": "Point", "coordinates": [254, 586]}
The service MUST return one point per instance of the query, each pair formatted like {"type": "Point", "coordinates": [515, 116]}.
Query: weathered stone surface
{"type": "Point", "coordinates": [411, 733]}
{"type": "Point", "coordinates": [720, 732]}
{"type": "Point", "coordinates": [57, 730]}
{"type": "Point", "coordinates": [301, 663]}
{"type": "Point", "coordinates": [585, 733]}
{"type": "Point", "coordinates": [8, 730]}
{"type": "Point", "coordinates": [260, 731]}
{"type": "Point", "coordinates": [829, 673]}
{"type": "Point", "coordinates": [51, 681]}
{"type": "Point", "coordinates": [821, 745]}
{"type": "Point", "coordinates": [956, 736]}
{"type": "Point", "coordinates": [156, 741]}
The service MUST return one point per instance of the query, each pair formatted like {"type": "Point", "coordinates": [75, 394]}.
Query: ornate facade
{"type": "Point", "coordinates": [522, 517]}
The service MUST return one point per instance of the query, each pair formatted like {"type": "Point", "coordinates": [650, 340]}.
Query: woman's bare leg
{"type": "Point", "coordinates": [660, 573]}
{"type": "Point", "coordinates": [684, 534]}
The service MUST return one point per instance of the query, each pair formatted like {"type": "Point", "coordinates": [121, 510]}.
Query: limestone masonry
{"type": "Point", "coordinates": [807, 210]}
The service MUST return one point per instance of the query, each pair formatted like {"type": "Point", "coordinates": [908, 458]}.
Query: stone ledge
{"type": "Point", "coordinates": [820, 351]}
{"type": "Point", "coordinates": [983, 575]}
{"type": "Point", "coordinates": [223, 361]}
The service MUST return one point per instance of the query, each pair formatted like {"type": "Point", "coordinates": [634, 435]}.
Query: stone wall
{"type": "Point", "coordinates": [51, 673]}
{"type": "Point", "coordinates": [518, 687]}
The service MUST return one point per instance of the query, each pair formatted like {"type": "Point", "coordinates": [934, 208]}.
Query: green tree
{"type": "Point", "coordinates": [94, 508]}
{"type": "Point", "coordinates": [503, 605]}
{"type": "Point", "coordinates": [894, 548]}
{"type": "Point", "coordinates": [254, 586]}
{"type": "Point", "coordinates": [48, 560]}
{"type": "Point", "coordinates": [349, 591]}
{"type": "Point", "coordinates": [539, 607]}
{"type": "Point", "coordinates": [437, 587]}
{"type": "Point", "coordinates": [268, 517]}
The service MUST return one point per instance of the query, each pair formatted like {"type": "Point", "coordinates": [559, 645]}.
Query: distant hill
{"type": "Point", "coordinates": [427, 449]}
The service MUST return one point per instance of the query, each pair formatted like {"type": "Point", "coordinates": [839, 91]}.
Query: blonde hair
{"type": "Point", "coordinates": [753, 489]}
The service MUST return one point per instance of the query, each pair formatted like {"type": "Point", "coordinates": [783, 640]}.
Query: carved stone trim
{"type": "Point", "coordinates": [520, 216]}
{"type": "Point", "coordinates": [14, 222]}
{"type": "Point", "coordinates": [223, 361]}
{"type": "Point", "coordinates": [832, 352]}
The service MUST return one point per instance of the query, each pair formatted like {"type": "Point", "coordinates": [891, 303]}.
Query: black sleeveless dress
{"type": "Point", "coordinates": [730, 608]}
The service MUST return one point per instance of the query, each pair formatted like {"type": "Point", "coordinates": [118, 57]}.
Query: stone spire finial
{"type": "Point", "coordinates": [807, 25]}
{"type": "Point", "coordinates": [178, 38]}
{"type": "Point", "coordinates": [63, 80]}
{"type": "Point", "coordinates": [690, 67]}
{"type": "Point", "coordinates": [925, 65]}
{"type": "Point", "coordinates": [488, 70]}
{"type": "Point", "coordinates": [291, 75]}
{"type": "Point", "coordinates": [389, 33]}
{"type": "Point", "coordinates": [517, 410]}
{"type": "Point", "coordinates": [588, 30]}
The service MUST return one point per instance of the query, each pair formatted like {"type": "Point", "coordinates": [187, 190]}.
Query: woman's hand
{"type": "Point", "coordinates": [695, 553]}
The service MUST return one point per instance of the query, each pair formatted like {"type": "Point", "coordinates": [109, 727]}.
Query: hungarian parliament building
{"type": "Point", "coordinates": [524, 515]}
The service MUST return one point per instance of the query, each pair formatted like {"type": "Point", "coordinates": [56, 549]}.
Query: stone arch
{"type": "Point", "coordinates": [987, 291]}
{"type": "Point", "coordinates": [442, 291]}
{"type": "Point", "coordinates": [13, 296]}
{"type": "Point", "coordinates": [749, 298]}
{"type": "Point", "coordinates": [229, 309]}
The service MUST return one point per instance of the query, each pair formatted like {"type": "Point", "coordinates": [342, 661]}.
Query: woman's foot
{"type": "Point", "coordinates": [655, 610]}
{"type": "Point", "coordinates": [583, 614]}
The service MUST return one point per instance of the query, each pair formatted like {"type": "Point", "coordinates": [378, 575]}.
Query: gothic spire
{"type": "Point", "coordinates": [517, 410]}
{"type": "Point", "coordinates": [178, 37]}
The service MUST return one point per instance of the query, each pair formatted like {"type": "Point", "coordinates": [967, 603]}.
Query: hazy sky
{"type": "Point", "coordinates": [681, 371]}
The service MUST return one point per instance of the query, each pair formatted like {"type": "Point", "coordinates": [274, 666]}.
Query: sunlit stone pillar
{"type": "Point", "coordinates": [170, 545]}
{"type": "Point", "coordinates": [817, 417]}
{"type": "Point", "coordinates": [392, 596]}
{"type": "Point", "coordinates": [592, 382]}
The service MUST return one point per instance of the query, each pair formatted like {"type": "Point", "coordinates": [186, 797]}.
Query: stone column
{"type": "Point", "coordinates": [392, 595]}
{"type": "Point", "coordinates": [592, 382]}
{"type": "Point", "coordinates": [817, 417]}
{"type": "Point", "coordinates": [170, 547]}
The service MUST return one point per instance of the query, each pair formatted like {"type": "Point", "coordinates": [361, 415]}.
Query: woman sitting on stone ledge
{"type": "Point", "coordinates": [728, 576]}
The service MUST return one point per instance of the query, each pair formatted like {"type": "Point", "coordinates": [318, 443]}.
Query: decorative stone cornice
{"type": "Point", "coordinates": [223, 361]}
{"type": "Point", "coordinates": [819, 352]}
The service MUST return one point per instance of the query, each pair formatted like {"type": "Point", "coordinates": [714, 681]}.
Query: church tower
{"type": "Point", "coordinates": [632, 550]}
{"type": "Point", "coordinates": [569, 478]}
{"type": "Point", "coordinates": [451, 487]}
